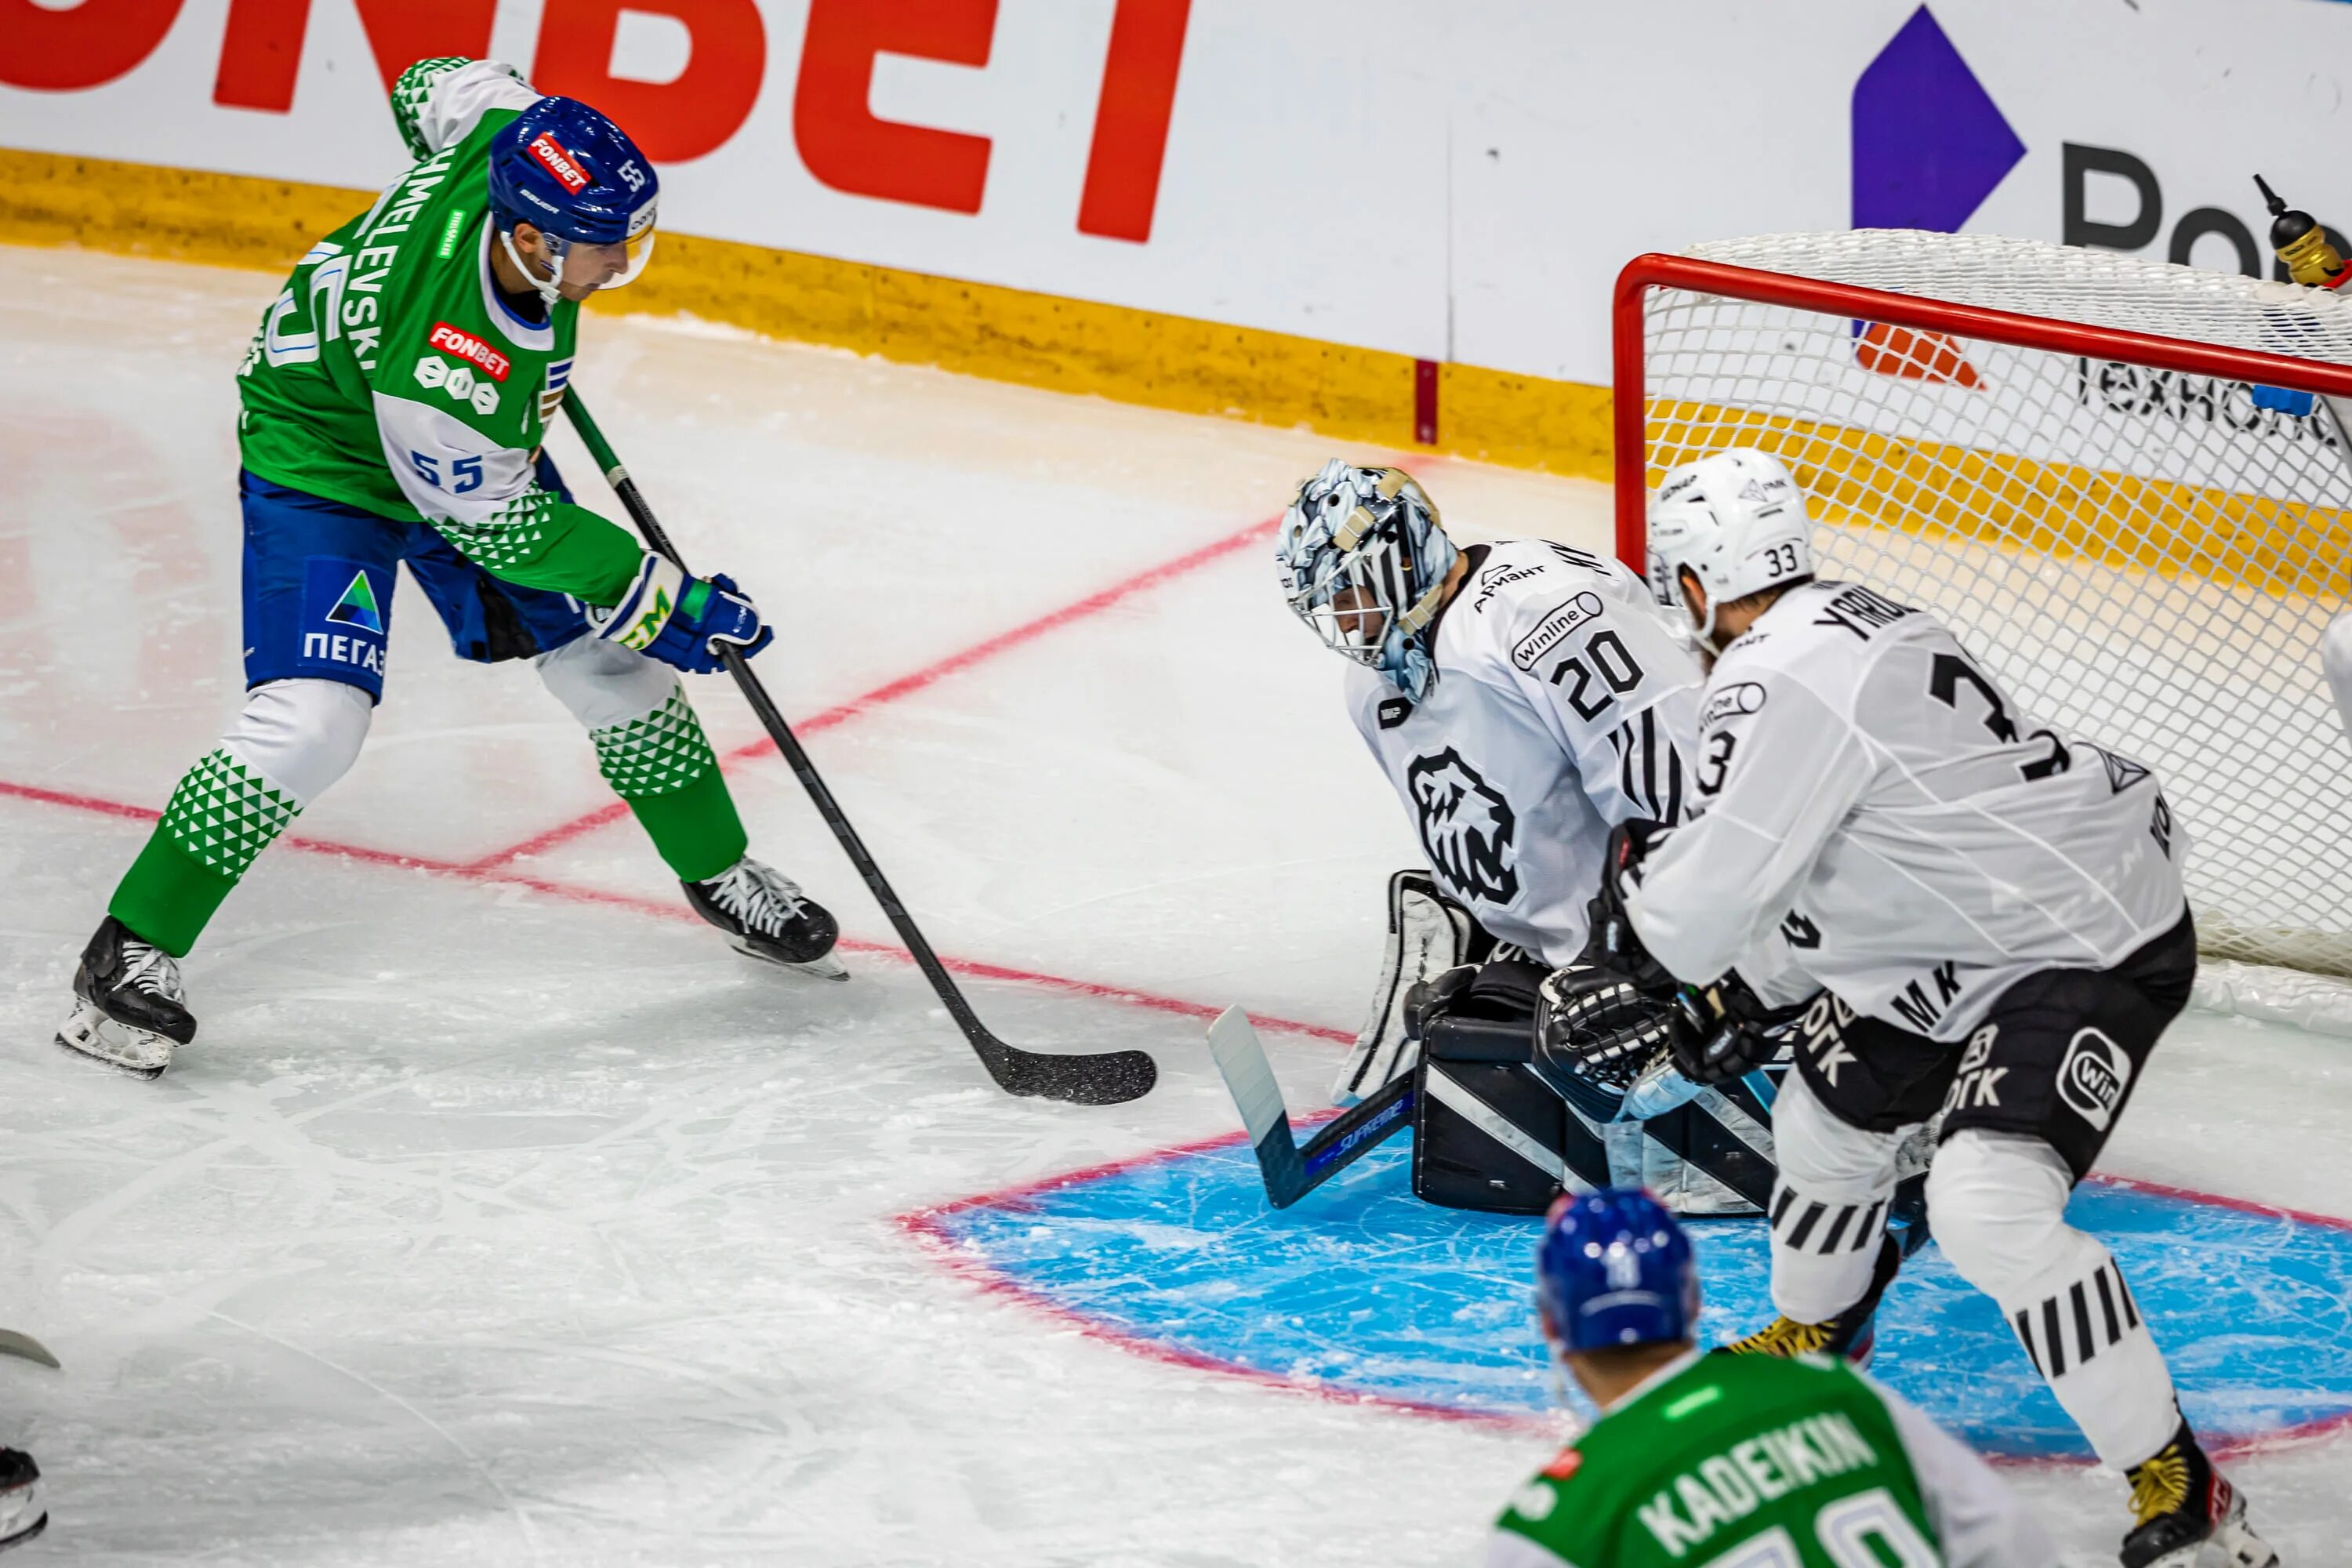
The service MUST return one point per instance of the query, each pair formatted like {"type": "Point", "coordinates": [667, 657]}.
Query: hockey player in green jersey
{"type": "Point", "coordinates": [395, 404]}
{"type": "Point", "coordinates": [1721, 1461]}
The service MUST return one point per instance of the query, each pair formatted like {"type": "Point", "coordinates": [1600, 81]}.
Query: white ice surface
{"type": "Point", "coordinates": [490, 1225]}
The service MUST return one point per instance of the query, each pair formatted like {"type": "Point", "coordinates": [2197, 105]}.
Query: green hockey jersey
{"type": "Point", "coordinates": [391, 375]}
{"type": "Point", "coordinates": [1720, 1460]}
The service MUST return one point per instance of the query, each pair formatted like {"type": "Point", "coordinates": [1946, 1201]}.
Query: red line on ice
{"type": "Point", "coordinates": [977, 968]}
{"type": "Point", "coordinates": [929, 675]}
{"type": "Point", "coordinates": [926, 1226]}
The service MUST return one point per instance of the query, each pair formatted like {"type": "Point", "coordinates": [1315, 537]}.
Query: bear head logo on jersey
{"type": "Point", "coordinates": [1466, 827]}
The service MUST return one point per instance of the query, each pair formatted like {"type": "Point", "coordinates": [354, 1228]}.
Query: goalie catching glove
{"type": "Point", "coordinates": [683, 620]}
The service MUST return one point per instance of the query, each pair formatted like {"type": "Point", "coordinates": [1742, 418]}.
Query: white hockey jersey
{"type": "Point", "coordinates": [1875, 817]}
{"type": "Point", "coordinates": [1563, 706]}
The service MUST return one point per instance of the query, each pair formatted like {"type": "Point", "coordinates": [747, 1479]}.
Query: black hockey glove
{"type": "Point", "coordinates": [1598, 1024]}
{"type": "Point", "coordinates": [1614, 946]}
{"type": "Point", "coordinates": [1724, 1031]}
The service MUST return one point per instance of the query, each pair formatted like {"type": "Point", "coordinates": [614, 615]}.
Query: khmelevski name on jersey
{"type": "Point", "coordinates": [1720, 1459]}
{"type": "Point", "coordinates": [391, 376]}
{"type": "Point", "coordinates": [1563, 705]}
{"type": "Point", "coordinates": [1874, 816]}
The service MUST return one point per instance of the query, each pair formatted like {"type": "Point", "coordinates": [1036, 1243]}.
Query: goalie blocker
{"type": "Point", "coordinates": [1498, 1126]}
{"type": "Point", "coordinates": [1451, 1049]}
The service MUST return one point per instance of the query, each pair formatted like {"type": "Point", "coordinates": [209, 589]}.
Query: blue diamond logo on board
{"type": "Point", "coordinates": [1929, 145]}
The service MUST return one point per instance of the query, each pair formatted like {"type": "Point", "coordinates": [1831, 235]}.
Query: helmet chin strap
{"type": "Point", "coordinates": [550, 288]}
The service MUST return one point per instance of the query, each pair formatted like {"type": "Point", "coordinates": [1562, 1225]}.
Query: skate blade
{"type": "Point", "coordinates": [825, 967]}
{"type": "Point", "coordinates": [23, 1515]}
{"type": "Point", "coordinates": [90, 1032]}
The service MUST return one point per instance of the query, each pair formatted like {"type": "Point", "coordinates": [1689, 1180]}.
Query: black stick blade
{"type": "Point", "coordinates": [1111, 1078]}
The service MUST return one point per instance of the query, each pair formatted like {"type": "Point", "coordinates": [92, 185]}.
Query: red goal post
{"type": "Point", "coordinates": [2117, 479]}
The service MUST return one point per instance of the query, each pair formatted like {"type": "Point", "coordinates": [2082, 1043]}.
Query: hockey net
{"type": "Point", "coordinates": [2122, 482]}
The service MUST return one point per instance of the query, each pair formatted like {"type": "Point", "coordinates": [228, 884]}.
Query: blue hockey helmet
{"type": "Point", "coordinates": [577, 178]}
{"type": "Point", "coordinates": [1614, 1268]}
{"type": "Point", "coordinates": [1363, 561]}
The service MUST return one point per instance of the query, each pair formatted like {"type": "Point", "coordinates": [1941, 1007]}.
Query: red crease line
{"type": "Point", "coordinates": [927, 1226]}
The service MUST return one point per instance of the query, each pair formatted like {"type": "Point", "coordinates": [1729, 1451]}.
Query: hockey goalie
{"type": "Point", "coordinates": [1523, 697]}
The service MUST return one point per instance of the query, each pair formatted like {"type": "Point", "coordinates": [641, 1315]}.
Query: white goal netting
{"type": "Point", "coordinates": [2145, 555]}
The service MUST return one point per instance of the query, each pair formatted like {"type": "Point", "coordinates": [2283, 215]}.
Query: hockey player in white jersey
{"type": "Point", "coordinates": [1992, 913]}
{"type": "Point", "coordinates": [1523, 697]}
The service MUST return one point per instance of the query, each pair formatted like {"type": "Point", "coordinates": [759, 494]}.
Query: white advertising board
{"type": "Point", "coordinates": [1445, 181]}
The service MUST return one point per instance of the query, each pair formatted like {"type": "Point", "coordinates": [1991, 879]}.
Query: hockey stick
{"type": "Point", "coordinates": [26, 1347]}
{"type": "Point", "coordinates": [1292, 1170]}
{"type": "Point", "coordinates": [1104, 1078]}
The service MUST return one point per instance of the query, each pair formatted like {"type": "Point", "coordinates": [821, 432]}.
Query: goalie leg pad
{"type": "Point", "coordinates": [1489, 1134]}
{"type": "Point", "coordinates": [1428, 933]}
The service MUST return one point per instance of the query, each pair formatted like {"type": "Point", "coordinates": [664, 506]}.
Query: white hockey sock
{"type": "Point", "coordinates": [606, 685]}
{"type": "Point", "coordinates": [300, 736]}
{"type": "Point", "coordinates": [1997, 1203]}
{"type": "Point", "coordinates": [1829, 1206]}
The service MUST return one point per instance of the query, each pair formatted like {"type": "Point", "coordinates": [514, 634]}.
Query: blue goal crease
{"type": "Point", "coordinates": [1364, 1289]}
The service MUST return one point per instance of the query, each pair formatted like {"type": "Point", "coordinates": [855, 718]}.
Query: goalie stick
{"type": "Point", "coordinates": [1292, 1170]}
{"type": "Point", "coordinates": [1102, 1077]}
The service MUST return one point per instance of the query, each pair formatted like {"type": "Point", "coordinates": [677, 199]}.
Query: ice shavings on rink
{"type": "Point", "coordinates": [1363, 1290]}
{"type": "Point", "coordinates": [501, 1214]}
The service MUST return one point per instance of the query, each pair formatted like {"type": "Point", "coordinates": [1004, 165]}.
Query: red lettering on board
{"type": "Point", "coordinates": [841, 141]}
{"type": "Point", "coordinates": [65, 52]}
{"type": "Point", "coordinates": [1138, 95]}
{"type": "Point", "coordinates": [727, 58]}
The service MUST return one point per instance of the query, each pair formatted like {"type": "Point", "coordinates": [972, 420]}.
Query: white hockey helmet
{"type": "Point", "coordinates": [1736, 520]}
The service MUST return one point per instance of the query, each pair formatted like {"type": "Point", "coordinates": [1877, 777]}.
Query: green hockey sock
{"type": "Point", "coordinates": [663, 767]}
{"type": "Point", "coordinates": [222, 814]}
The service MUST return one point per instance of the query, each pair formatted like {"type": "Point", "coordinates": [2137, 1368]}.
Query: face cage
{"type": "Point", "coordinates": [1374, 569]}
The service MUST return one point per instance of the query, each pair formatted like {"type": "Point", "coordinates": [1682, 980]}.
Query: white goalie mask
{"type": "Point", "coordinates": [1738, 522]}
{"type": "Point", "coordinates": [1363, 561]}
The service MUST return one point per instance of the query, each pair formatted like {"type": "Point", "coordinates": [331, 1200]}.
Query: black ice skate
{"type": "Point", "coordinates": [1851, 1336]}
{"type": "Point", "coordinates": [2190, 1515]}
{"type": "Point", "coordinates": [765, 914]}
{"type": "Point", "coordinates": [129, 1010]}
{"type": "Point", "coordinates": [23, 1514]}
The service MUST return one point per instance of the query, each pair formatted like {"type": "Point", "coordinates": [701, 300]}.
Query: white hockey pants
{"type": "Point", "coordinates": [1997, 1205]}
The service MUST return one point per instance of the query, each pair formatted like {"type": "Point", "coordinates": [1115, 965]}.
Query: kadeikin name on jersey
{"type": "Point", "coordinates": [1563, 705]}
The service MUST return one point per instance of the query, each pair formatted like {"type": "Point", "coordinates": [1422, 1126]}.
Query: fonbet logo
{"type": "Point", "coordinates": [467, 346]}
{"type": "Point", "coordinates": [552, 156]}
